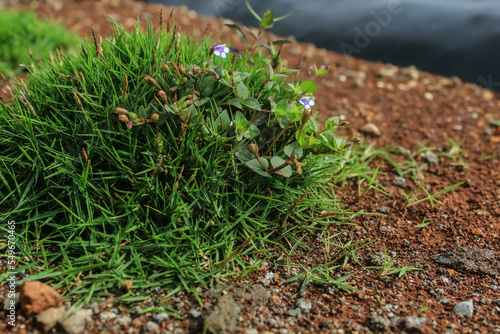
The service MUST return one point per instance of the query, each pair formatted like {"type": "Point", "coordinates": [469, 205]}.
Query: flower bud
{"type": "Point", "coordinates": [155, 117]}
{"type": "Point", "coordinates": [196, 70]}
{"type": "Point", "coordinates": [121, 111]}
{"type": "Point", "coordinates": [254, 149]}
{"type": "Point", "coordinates": [166, 68]}
{"type": "Point", "coordinates": [132, 116]}
{"type": "Point", "coordinates": [123, 118]}
{"type": "Point", "coordinates": [150, 81]}
{"type": "Point", "coordinates": [182, 69]}
{"type": "Point", "coordinates": [162, 96]}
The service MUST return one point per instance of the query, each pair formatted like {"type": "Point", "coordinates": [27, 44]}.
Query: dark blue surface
{"type": "Point", "coordinates": [448, 37]}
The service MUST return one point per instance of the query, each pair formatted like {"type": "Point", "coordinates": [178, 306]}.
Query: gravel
{"type": "Point", "coordinates": [399, 181]}
{"type": "Point", "coordinates": [464, 308]}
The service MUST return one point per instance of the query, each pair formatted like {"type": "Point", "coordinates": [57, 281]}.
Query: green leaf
{"type": "Point", "coordinates": [252, 132]}
{"type": "Point", "coordinates": [289, 149]}
{"type": "Point", "coordinates": [267, 20]}
{"type": "Point", "coordinates": [205, 86]}
{"type": "Point", "coordinates": [201, 101]}
{"type": "Point", "coordinates": [287, 70]}
{"type": "Point", "coordinates": [239, 31]}
{"type": "Point", "coordinates": [286, 172]}
{"type": "Point", "coordinates": [308, 86]}
{"type": "Point", "coordinates": [223, 119]}
{"type": "Point", "coordinates": [259, 167]}
{"type": "Point", "coordinates": [240, 76]}
{"type": "Point", "coordinates": [252, 103]}
{"type": "Point", "coordinates": [244, 155]}
{"type": "Point", "coordinates": [141, 112]}
{"type": "Point", "coordinates": [242, 90]}
{"type": "Point", "coordinates": [234, 102]}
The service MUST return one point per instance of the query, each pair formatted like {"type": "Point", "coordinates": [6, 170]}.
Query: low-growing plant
{"type": "Point", "coordinates": [21, 32]}
{"type": "Point", "coordinates": [159, 159]}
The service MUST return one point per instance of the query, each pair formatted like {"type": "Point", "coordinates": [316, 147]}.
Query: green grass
{"type": "Point", "coordinates": [175, 201]}
{"type": "Point", "coordinates": [22, 31]}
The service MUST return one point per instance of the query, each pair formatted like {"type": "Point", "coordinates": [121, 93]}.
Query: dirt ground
{"type": "Point", "coordinates": [457, 251]}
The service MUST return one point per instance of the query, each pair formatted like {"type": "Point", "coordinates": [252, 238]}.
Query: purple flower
{"type": "Point", "coordinates": [307, 102]}
{"type": "Point", "coordinates": [221, 50]}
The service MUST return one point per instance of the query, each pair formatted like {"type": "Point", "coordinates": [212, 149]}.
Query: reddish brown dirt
{"type": "Point", "coordinates": [409, 107]}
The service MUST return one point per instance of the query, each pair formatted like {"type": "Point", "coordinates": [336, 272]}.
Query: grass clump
{"type": "Point", "coordinates": [21, 31]}
{"type": "Point", "coordinates": [154, 158]}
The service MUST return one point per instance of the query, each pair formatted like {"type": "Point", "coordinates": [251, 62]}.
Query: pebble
{"type": "Point", "coordinates": [494, 287]}
{"type": "Point", "coordinates": [152, 327]}
{"type": "Point", "coordinates": [304, 305]}
{"type": "Point", "coordinates": [195, 313]}
{"type": "Point", "coordinates": [431, 158]}
{"type": "Point", "coordinates": [412, 322]}
{"type": "Point", "coordinates": [383, 209]}
{"type": "Point", "coordinates": [252, 331]}
{"type": "Point", "coordinates": [378, 323]}
{"type": "Point", "coordinates": [49, 318]}
{"type": "Point", "coordinates": [464, 308]}
{"type": "Point", "coordinates": [294, 312]}
{"type": "Point", "coordinates": [178, 331]}
{"type": "Point", "coordinates": [370, 129]}
{"type": "Point", "coordinates": [160, 317]}
{"type": "Point", "coordinates": [124, 320]}
{"type": "Point", "coordinates": [107, 315]}
{"type": "Point", "coordinates": [399, 181]}
{"type": "Point", "coordinates": [77, 322]}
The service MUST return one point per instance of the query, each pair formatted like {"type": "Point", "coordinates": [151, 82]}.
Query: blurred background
{"type": "Point", "coordinates": [447, 37]}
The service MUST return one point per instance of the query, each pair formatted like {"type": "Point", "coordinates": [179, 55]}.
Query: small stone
{"type": "Point", "coordinates": [413, 322]}
{"type": "Point", "coordinates": [378, 323]}
{"type": "Point", "coordinates": [494, 287]}
{"type": "Point", "coordinates": [76, 323]}
{"type": "Point", "coordinates": [399, 181]}
{"type": "Point", "coordinates": [178, 331]}
{"type": "Point", "coordinates": [429, 96]}
{"type": "Point", "coordinates": [195, 313]}
{"type": "Point", "coordinates": [383, 209]}
{"type": "Point", "coordinates": [49, 318]}
{"type": "Point", "coordinates": [370, 129]}
{"type": "Point", "coordinates": [105, 316]}
{"type": "Point", "coordinates": [464, 308]}
{"type": "Point", "coordinates": [294, 312]}
{"type": "Point", "coordinates": [160, 317]}
{"type": "Point", "coordinates": [304, 305]}
{"type": "Point", "coordinates": [36, 297]}
{"type": "Point", "coordinates": [431, 158]}
{"type": "Point", "coordinates": [252, 331]}
{"type": "Point", "coordinates": [152, 327]}
{"type": "Point", "coordinates": [402, 150]}
{"type": "Point", "coordinates": [124, 321]}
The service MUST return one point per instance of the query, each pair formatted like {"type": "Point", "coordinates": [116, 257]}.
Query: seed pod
{"type": "Point", "coordinates": [166, 68]}
{"type": "Point", "coordinates": [121, 111]}
{"type": "Point", "coordinates": [123, 118]}
{"type": "Point", "coordinates": [155, 117]}
{"type": "Point", "coordinates": [162, 96]}
{"type": "Point", "coordinates": [150, 81]}
{"type": "Point", "coordinates": [254, 149]}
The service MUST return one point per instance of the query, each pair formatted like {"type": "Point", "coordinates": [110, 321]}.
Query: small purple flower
{"type": "Point", "coordinates": [221, 50]}
{"type": "Point", "coordinates": [307, 102]}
